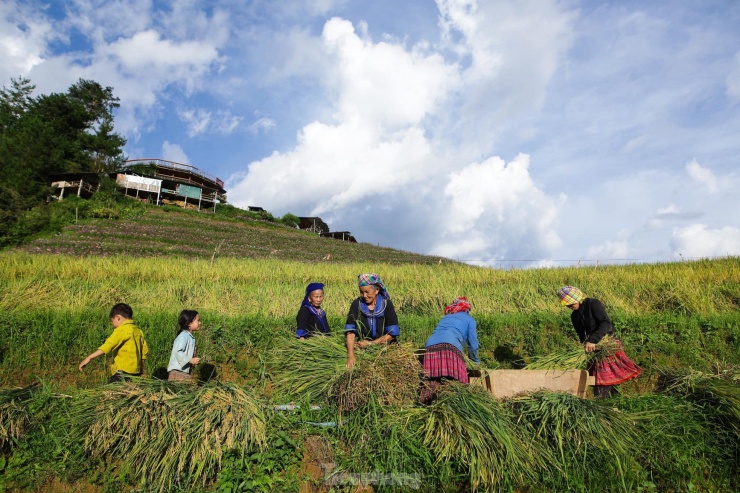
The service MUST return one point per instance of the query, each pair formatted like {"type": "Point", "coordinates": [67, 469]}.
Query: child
{"type": "Point", "coordinates": [183, 357]}
{"type": "Point", "coordinates": [126, 344]}
{"type": "Point", "coordinates": [311, 319]}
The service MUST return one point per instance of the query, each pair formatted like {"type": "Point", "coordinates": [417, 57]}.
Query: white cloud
{"type": "Point", "coordinates": [201, 121]}
{"type": "Point", "coordinates": [24, 36]}
{"type": "Point", "coordinates": [619, 248]}
{"type": "Point", "coordinates": [512, 50]}
{"type": "Point", "coordinates": [697, 240]}
{"type": "Point", "coordinates": [140, 48]}
{"type": "Point", "coordinates": [262, 124]}
{"type": "Point", "coordinates": [377, 156]}
{"type": "Point", "coordinates": [702, 175]}
{"type": "Point", "coordinates": [382, 82]}
{"type": "Point", "coordinates": [173, 152]}
{"type": "Point", "coordinates": [493, 206]}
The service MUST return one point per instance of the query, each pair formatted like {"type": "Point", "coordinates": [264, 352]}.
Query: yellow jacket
{"type": "Point", "coordinates": [128, 347]}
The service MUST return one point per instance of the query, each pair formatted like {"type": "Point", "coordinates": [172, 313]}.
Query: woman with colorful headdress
{"type": "Point", "coordinates": [311, 318]}
{"type": "Point", "coordinates": [443, 357]}
{"type": "Point", "coordinates": [592, 324]}
{"type": "Point", "coordinates": [372, 318]}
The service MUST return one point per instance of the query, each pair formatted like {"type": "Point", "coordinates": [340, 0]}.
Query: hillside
{"type": "Point", "coordinates": [170, 232]}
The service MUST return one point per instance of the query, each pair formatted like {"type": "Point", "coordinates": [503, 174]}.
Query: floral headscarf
{"type": "Point", "coordinates": [459, 305]}
{"type": "Point", "coordinates": [570, 295]}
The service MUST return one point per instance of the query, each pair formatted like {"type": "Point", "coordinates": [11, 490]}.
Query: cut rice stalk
{"type": "Point", "coordinates": [575, 357]}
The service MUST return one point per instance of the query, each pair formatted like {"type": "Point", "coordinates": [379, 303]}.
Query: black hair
{"type": "Point", "coordinates": [123, 310]}
{"type": "Point", "coordinates": [185, 319]}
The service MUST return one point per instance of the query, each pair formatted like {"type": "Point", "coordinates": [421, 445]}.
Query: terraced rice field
{"type": "Point", "coordinates": [163, 233]}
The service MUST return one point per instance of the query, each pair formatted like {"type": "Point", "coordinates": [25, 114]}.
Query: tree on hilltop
{"type": "Point", "coordinates": [50, 134]}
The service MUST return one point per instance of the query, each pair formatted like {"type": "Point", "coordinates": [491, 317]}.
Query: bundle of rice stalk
{"type": "Point", "coordinates": [167, 436]}
{"type": "Point", "coordinates": [383, 439]}
{"type": "Point", "coordinates": [391, 373]}
{"type": "Point", "coordinates": [574, 357]}
{"type": "Point", "coordinates": [579, 430]}
{"type": "Point", "coordinates": [673, 434]}
{"type": "Point", "coordinates": [721, 395]}
{"type": "Point", "coordinates": [15, 416]}
{"type": "Point", "coordinates": [466, 424]}
{"type": "Point", "coordinates": [314, 370]}
{"type": "Point", "coordinates": [306, 369]}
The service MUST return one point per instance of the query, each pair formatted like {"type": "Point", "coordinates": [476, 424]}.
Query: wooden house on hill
{"type": "Point", "coordinates": [168, 182]}
{"type": "Point", "coordinates": [313, 224]}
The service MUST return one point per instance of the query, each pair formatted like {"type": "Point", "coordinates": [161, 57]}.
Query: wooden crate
{"type": "Point", "coordinates": [508, 383]}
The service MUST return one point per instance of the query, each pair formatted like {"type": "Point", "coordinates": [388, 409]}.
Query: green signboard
{"type": "Point", "coordinates": [189, 191]}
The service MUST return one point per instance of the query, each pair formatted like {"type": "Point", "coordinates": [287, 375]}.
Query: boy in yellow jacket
{"type": "Point", "coordinates": [126, 344]}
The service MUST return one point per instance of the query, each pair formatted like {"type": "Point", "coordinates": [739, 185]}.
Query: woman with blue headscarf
{"type": "Point", "coordinates": [311, 318]}
{"type": "Point", "coordinates": [372, 318]}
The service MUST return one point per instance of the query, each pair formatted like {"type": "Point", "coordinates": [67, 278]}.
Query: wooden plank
{"type": "Point", "coordinates": [508, 383]}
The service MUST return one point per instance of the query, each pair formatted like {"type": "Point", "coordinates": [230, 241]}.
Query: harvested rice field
{"type": "Point", "coordinates": [268, 412]}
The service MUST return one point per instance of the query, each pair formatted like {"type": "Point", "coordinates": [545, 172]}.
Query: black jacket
{"type": "Point", "coordinates": [591, 321]}
{"type": "Point", "coordinates": [309, 324]}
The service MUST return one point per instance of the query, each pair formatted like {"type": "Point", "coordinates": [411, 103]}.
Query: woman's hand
{"type": "Point", "coordinates": [194, 361]}
{"type": "Point", "coordinates": [350, 362]}
{"type": "Point", "coordinates": [590, 347]}
{"type": "Point", "coordinates": [363, 344]}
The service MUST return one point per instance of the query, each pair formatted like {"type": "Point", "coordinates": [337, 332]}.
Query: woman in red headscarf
{"type": "Point", "coordinates": [443, 357]}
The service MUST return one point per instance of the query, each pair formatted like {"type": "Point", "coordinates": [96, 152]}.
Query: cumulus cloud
{"type": "Point", "coordinates": [385, 151]}
{"type": "Point", "coordinates": [173, 152]}
{"type": "Point", "coordinates": [494, 206]}
{"type": "Point", "coordinates": [702, 175]}
{"type": "Point", "coordinates": [697, 240]}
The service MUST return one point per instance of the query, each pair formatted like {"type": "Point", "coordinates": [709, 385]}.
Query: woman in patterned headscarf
{"type": "Point", "coordinates": [443, 358]}
{"type": "Point", "coordinates": [592, 324]}
{"type": "Point", "coordinates": [372, 318]}
{"type": "Point", "coordinates": [311, 318]}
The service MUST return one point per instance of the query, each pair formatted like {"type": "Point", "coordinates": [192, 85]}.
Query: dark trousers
{"type": "Point", "coordinates": [604, 391]}
{"type": "Point", "coordinates": [122, 376]}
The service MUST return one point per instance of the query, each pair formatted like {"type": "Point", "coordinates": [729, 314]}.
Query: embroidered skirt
{"type": "Point", "coordinates": [445, 361]}
{"type": "Point", "coordinates": [175, 375]}
{"type": "Point", "coordinates": [615, 369]}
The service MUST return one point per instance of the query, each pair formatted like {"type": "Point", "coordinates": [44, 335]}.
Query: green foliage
{"type": "Point", "coordinates": [290, 220]}
{"type": "Point", "coordinates": [269, 470]}
{"type": "Point", "coordinates": [48, 135]}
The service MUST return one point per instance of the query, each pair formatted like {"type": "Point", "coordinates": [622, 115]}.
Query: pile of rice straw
{"type": "Point", "coordinates": [14, 413]}
{"type": "Point", "coordinates": [165, 435]}
{"type": "Point", "coordinates": [392, 373]}
{"type": "Point", "coordinates": [314, 370]}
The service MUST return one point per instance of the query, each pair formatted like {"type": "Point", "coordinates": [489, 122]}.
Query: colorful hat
{"type": "Point", "coordinates": [371, 280]}
{"type": "Point", "coordinates": [570, 295]}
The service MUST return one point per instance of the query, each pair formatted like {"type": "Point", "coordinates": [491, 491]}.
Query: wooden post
{"type": "Point", "coordinates": [79, 188]}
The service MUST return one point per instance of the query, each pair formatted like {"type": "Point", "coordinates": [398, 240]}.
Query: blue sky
{"type": "Point", "coordinates": [499, 132]}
